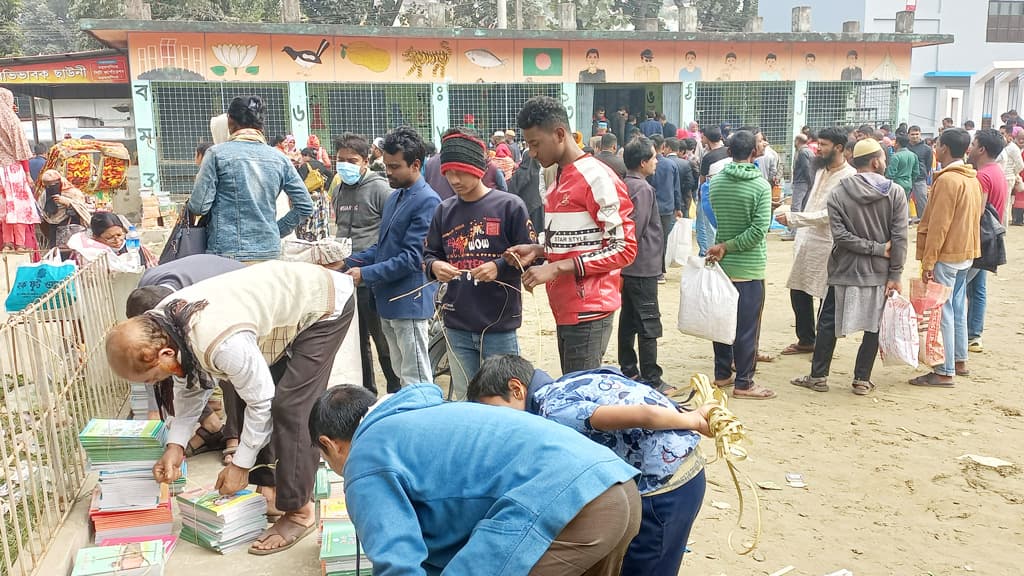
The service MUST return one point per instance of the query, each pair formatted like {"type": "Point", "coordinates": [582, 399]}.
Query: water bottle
{"type": "Point", "coordinates": [132, 244]}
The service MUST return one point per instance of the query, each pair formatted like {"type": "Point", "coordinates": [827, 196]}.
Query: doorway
{"type": "Point", "coordinates": [637, 98]}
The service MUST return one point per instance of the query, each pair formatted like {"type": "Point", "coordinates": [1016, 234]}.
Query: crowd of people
{"type": "Point", "coordinates": [609, 480]}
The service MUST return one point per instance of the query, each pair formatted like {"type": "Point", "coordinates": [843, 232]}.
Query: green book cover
{"type": "Point", "coordinates": [339, 539]}
{"type": "Point", "coordinates": [119, 558]}
{"type": "Point", "coordinates": [99, 430]}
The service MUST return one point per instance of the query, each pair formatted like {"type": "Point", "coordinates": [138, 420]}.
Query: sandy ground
{"type": "Point", "coordinates": [885, 495]}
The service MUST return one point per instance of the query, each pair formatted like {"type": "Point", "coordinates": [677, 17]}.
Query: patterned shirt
{"type": "Point", "coordinates": [572, 399]}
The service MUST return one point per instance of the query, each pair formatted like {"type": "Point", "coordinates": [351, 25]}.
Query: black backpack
{"type": "Point", "coordinates": [993, 241]}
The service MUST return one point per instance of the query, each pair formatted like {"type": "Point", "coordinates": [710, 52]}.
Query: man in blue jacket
{"type": "Point", "coordinates": [505, 494]}
{"type": "Point", "coordinates": [393, 267]}
{"type": "Point", "coordinates": [669, 193]}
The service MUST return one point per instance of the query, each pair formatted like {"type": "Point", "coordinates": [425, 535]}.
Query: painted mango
{"type": "Point", "coordinates": [368, 56]}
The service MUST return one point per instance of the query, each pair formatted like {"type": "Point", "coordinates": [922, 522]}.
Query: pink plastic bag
{"type": "Point", "coordinates": [928, 299]}
{"type": "Point", "coordinates": [898, 338]}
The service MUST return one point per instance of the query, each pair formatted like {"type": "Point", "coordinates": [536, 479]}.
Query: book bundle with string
{"type": "Point", "coordinates": [130, 511]}
{"type": "Point", "coordinates": [340, 552]}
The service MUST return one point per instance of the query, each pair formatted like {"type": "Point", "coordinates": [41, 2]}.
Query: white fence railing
{"type": "Point", "coordinates": [54, 377]}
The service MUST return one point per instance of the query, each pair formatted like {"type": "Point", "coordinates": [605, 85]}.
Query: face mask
{"type": "Point", "coordinates": [53, 189]}
{"type": "Point", "coordinates": [350, 173]}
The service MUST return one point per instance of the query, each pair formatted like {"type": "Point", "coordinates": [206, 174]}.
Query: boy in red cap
{"type": "Point", "coordinates": [482, 306]}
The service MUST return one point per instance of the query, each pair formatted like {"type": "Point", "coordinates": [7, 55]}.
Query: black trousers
{"type": "Point", "coordinates": [825, 345]}
{"type": "Point", "coordinates": [667, 222]}
{"type": "Point", "coordinates": [640, 319]}
{"type": "Point", "coordinates": [299, 380]}
{"type": "Point", "coordinates": [743, 351]}
{"type": "Point", "coordinates": [803, 310]}
{"type": "Point", "coordinates": [581, 346]}
{"type": "Point", "coordinates": [369, 327]}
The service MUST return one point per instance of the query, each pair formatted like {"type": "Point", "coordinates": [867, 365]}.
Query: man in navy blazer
{"type": "Point", "coordinates": [393, 266]}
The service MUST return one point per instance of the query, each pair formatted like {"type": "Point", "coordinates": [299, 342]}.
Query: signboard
{"type": "Point", "coordinates": [227, 58]}
{"type": "Point", "coordinates": [106, 70]}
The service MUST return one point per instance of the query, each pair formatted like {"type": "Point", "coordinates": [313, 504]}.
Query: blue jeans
{"type": "Point", "coordinates": [954, 317]}
{"type": "Point", "coordinates": [407, 342]}
{"type": "Point", "coordinates": [664, 530]}
{"type": "Point", "coordinates": [977, 281]}
{"type": "Point", "coordinates": [466, 350]}
{"type": "Point", "coordinates": [705, 231]}
{"type": "Point", "coordinates": [919, 191]}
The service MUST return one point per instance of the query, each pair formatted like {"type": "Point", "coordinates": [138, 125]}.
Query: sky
{"type": "Point", "coordinates": [826, 15]}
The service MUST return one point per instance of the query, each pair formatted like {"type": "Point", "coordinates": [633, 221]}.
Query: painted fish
{"type": "Point", "coordinates": [484, 58]}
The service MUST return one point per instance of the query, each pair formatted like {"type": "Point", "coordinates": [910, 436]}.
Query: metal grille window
{"type": "Point", "coordinates": [367, 109]}
{"type": "Point", "coordinates": [767, 105]}
{"type": "Point", "coordinates": [851, 103]}
{"type": "Point", "coordinates": [493, 107]}
{"type": "Point", "coordinates": [182, 113]}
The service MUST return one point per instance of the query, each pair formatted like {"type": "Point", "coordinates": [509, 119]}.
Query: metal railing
{"type": "Point", "coordinates": [54, 377]}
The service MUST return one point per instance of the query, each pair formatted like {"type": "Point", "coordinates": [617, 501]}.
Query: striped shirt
{"type": "Point", "coordinates": [742, 201]}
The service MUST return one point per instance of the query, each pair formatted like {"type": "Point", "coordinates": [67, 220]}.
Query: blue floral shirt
{"type": "Point", "coordinates": [572, 399]}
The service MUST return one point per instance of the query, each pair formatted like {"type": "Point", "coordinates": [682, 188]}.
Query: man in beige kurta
{"type": "Point", "coordinates": [808, 277]}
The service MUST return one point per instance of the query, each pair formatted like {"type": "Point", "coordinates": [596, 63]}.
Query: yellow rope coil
{"type": "Point", "coordinates": [728, 432]}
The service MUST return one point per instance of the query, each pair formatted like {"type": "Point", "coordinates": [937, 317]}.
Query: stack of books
{"type": "Point", "coordinates": [139, 400]}
{"type": "Point", "coordinates": [340, 551]}
{"type": "Point", "coordinates": [327, 484]}
{"type": "Point", "coordinates": [221, 523]}
{"type": "Point", "coordinates": [127, 502]}
{"type": "Point", "coordinates": [146, 558]}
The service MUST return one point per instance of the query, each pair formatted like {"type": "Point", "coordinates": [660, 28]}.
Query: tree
{"type": "Point", "coordinates": [724, 15]}
{"type": "Point", "coordinates": [47, 28]}
{"type": "Point", "coordinates": [10, 34]}
{"type": "Point", "coordinates": [352, 12]}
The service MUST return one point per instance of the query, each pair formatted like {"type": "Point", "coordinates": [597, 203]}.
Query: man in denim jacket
{"type": "Point", "coordinates": [393, 267]}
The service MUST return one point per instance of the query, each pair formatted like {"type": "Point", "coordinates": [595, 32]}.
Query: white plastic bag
{"type": "Point", "coordinates": [898, 338]}
{"type": "Point", "coordinates": [707, 302]}
{"type": "Point", "coordinates": [679, 244]}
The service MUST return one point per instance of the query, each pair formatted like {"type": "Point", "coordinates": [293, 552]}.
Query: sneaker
{"type": "Point", "coordinates": [661, 279]}
{"type": "Point", "coordinates": [975, 345]}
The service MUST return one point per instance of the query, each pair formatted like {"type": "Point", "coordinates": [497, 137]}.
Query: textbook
{"type": "Point", "coordinates": [120, 444]}
{"type": "Point", "coordinates": [153, 523]}
{"type": "Point", "coordinates": [129, 559]}
{"type": "Point", "coordinates": [221, 523]}
{"type": "Point", "coordinates": [340, 550]}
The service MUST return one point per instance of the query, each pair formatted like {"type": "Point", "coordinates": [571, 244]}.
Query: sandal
{"type": "Point", "coordinates": [931, 380]}
{"type": "Point", "coordinates": [211, 441]}
{"type": "Point", "coordinates": [755, 392]}
{"type": "Point", "coordinates": [811, 383]}
{"type": "Point", "coordinates": [767, 358]}
{"type": "Point", "coordinates": [727, 383]}
{"type": "Point", "coordinates": [797, 348]}
{"type": "Point", "coordinates": [962, 369]}
{"type": "Point", "coordinates": [290, 535]}
{"type": "Point", "coordinates": [863, 387]}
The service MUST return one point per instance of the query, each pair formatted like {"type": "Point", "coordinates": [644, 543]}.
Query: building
{"type": "Point", "coordinates": [326, 80]}
{"type": "Point", "coordinates": [975, 77]}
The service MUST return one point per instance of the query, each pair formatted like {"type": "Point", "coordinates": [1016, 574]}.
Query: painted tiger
{"type": "Point", "coordinates": [420, 58]}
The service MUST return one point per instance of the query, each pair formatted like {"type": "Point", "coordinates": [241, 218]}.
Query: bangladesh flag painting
{"type": "Point", "coordinates": [542, 61]}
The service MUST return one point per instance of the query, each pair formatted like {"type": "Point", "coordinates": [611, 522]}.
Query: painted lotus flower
{"type": "Point", "coordinates": [235, 56]}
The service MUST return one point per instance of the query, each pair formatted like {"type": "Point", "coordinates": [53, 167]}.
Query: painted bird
{"type": "Point", "coordinates": [307, 58]}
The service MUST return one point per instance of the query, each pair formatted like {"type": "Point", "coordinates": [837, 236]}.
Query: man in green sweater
{"type": "Point", "coordinates": [741, 200]}
{"type": "Point", "coordinates": [904, 165]}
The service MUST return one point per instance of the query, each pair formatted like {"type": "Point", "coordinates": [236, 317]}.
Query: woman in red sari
{"type": "Point", "coordinates": [18, 208]}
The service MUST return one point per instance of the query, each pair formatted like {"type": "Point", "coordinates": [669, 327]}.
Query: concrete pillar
{"type": "Point", "coordinates": [566, 16]}
{"type": "Point", "coordinates": [903, 105]}
{"type": "Point", "coordinates": [137, 10]}
{"type": "Point", "coordinates": [439, 112]}
{"type": "Point", "coordinates": [801, 19]}
{"type": "Point", "coordinates": [1001, 91]}
{"type": "Point", "coordinates": [851, 27]}
{"type": "Point", "coordinates": [799, 111]}
{"type": "Point", "coordinates": [145, 133]}
{"type": "Point", "coordinates": [905, 22]}
{"type": "Point", "coordinates": [290, 11]}
{"type": "Point", "coordinates": [437, 15]}
{"type": "Point", "coordinates": [688, 105]}
{"type": "Point", "coordinates": [754, 25]}
{"type": "Point", "coordinates": [647, 25]}
{"type": "Point", "coordinates": [502, 7]}
{"type": "Point", "coordinates": [568, 98]}
{"type": "Point", "coordinates": [298, 110]}
{"type": "Point", "coordinates": [688, 19]}
{"type": "Point", "coordinates": [537, 22]}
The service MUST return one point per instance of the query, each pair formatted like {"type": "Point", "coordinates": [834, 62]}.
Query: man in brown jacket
{"type": "Point", "coordinates": [948, 241]}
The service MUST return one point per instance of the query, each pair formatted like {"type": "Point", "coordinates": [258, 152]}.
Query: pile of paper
{"type": "Point", "coordinates": [146, 558]}
{"type": "Point", "coordinates": [139, 400]}
{"type": "Point", "coordinates": [340, 550]}
{"type": "Point", "coordinates": [154, 523]}
{"type": "Point", "coordinates": [221, 523]}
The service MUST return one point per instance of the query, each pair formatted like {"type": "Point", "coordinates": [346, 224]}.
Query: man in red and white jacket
{"type": "Point", "coordinates": [589, 237]}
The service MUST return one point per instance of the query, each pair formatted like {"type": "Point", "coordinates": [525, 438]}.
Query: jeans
{"type": "Point", "coordinates": [466, 350]}
{"type": "Point", "coordinates": [919, 191]}
{"type": "Point", "coordinates": [800, 193]}
{"type": "Point", "coordinates": [954, 317]}
{"type": "Point", "coordinates": [667, 222]}
{"type": "Point", "coordinates": [1018, 216]}
{"type": "Point", "coordinates": [581, 346]}
{"type": "Point", "coordinates": [705, 231]}
{"type": "Point", "coordinates": [803, 311]}
{"type": "Point", "coordinates": [370, 327]}
{"type": "Point", "coordinates": [407, 340]}
{"type": "Point", "coordinates": [977, 281]}
{"type": "Point", "coordinates": [825, 344]}
{"type": "Point", "coordinates": [640, 319]}
{"type": "Point", "coordinates": [667, 519]}
{"type": "Point", "coordinates": [743, 350]}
